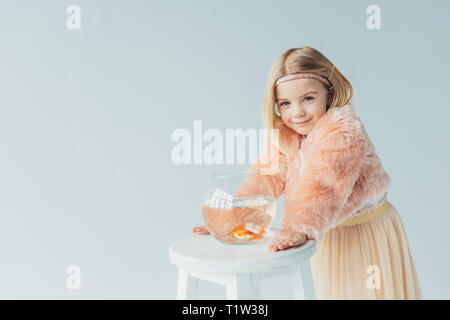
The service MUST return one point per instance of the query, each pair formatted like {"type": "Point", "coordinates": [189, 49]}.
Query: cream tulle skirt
{"type": "Point", "coordinates": [371, 260]}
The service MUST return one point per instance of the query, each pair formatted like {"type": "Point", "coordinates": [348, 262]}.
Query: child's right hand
{"type": "Point", "coordinates": [200, 229]}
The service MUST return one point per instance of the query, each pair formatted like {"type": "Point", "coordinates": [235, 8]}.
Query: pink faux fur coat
{"type": "Point", "coordinates": [328, 175]}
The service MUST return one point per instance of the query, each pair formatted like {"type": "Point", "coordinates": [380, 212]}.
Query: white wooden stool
{"type": "Point", "coordinates": [240, 267]}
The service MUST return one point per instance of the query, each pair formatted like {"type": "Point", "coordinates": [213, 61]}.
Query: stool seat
{"type": "Point", "coordinates": [202, 256]}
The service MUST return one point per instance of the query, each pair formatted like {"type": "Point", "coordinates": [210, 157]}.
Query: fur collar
{"type": "Point", "coordinates": [339, 124]}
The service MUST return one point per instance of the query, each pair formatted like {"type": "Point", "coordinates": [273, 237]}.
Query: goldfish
{"type": "Point", "coordinates": [244, 233]}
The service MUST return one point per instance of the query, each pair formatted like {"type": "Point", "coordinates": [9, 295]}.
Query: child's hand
{"type": "Point", "coordinates": [284, 239]}
{"type": "Point", "coordinates": [200, 229]}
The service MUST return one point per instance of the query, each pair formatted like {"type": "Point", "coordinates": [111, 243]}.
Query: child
{"type": "Point", "coordinates": [334, 185]}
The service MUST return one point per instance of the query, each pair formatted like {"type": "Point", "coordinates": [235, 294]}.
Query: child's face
{"type": "Point", "coordinates": [301, 100]}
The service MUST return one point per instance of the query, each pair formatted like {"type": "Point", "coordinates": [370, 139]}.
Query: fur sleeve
{"type": "Point", "coordinates": [332, 164]}
{"type": "Point", "coordinates": [272, 176]}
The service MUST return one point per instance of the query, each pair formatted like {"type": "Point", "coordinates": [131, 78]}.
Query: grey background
{"type": "Point", "coordinates": [86, 117]}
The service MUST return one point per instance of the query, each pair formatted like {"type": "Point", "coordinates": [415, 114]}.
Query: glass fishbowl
{"type": "Point", "coordinates": [239, 207]}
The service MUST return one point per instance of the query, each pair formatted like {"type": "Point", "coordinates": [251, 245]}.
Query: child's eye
{"type": "Point", "coordinates": [282, 104]}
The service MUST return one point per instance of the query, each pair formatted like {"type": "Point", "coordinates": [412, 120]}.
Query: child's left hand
{"type": "Point", "coordinates": [284, 239]}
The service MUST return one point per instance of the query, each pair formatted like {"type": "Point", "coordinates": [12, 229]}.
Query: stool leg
{"type": "Point", "coordinates": [303, 284]}
{"type": "Point", "coordinates": [256, 290]}
{"type": "Point", "coordinates": [243, 287]}
{"type": "Point", "coordinates": [187, 286]}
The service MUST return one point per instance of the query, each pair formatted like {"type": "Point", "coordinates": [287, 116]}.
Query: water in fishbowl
{"type": "Point", "coordinates": [239, 219]}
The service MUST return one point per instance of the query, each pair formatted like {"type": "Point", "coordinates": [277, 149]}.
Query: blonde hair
{"type": "Point", "coordinates": [295, 60]}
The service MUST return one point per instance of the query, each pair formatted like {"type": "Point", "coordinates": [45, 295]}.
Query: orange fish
{"type": "Point", "coordinates": [241, 233]}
